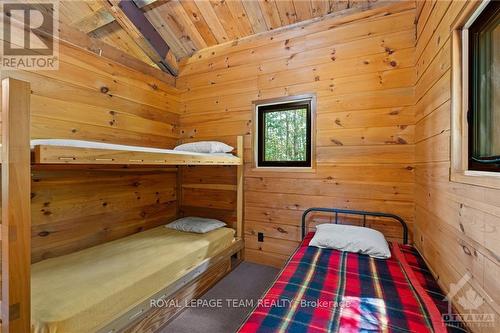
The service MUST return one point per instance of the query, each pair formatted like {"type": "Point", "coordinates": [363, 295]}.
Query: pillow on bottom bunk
{"type": "Point", "coordinates": [351, 238]}
{"type": "Point", "coordinates": [197, 225]}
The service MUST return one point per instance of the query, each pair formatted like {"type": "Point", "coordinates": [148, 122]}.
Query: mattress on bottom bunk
{"type": "Point", "coordinates": [82, 291]}
{"type": "Point", "coordinates": [322, 290]}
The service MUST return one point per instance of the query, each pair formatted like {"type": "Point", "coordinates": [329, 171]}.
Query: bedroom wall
{"type": "Point", "coordinates": [360, 64]}
{"type": "Point", "coordinates": [457, 226]}
{"type": "Point", "coordinates": [90, 98]}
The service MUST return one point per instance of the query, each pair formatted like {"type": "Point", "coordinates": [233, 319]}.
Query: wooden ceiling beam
{"type": "Point", "coordinates": [75, 37]}
{"type": "Point", "coordinates": [148, 3]}
{"type": "Point", "coordinates": [94, 21]}
{"type": "Point", "coordinates": [69, 35]}
{"type": "Point", "coordinates": [133, 21]}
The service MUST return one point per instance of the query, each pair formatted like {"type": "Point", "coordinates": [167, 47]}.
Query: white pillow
{"type": "Point", "coordinates": [205, 147]}
{"type": "Point", "coordinates": [197, 225]}
{"type": "Point", "coordinates": [351, 239]}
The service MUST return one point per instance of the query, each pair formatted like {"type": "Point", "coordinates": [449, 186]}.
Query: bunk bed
{"type": "Point", "coordinates": [326, 290]}
{"type": "Point", "coordinates": [115, 286]}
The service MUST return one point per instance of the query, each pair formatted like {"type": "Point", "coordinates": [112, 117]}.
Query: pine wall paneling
{"type": "Point", "coordinates": [362, 70]}
{"type": "Point", "coordinates": [457, 226]}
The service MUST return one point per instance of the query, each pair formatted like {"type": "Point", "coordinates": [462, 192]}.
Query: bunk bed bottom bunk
{"type": "Point", "coordinates": [114, 282]}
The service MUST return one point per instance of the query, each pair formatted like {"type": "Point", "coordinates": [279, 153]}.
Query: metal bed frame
{"type": "Point", "coordinates": [363, 213]}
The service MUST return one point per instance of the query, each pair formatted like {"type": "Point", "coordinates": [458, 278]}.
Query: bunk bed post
{"type": "Point", "coordinates": [16, 211]}
{"type": "Point", "coordinates": [239, 191]}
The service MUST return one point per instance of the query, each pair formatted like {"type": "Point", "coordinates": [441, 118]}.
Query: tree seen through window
{"type": "Point", "coordinates": [284, 134]}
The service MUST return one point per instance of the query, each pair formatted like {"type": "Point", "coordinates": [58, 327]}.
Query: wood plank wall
{"type": "Point", "coordinates": [457, 226]}
{"type": "Point", "coordinates": [75, 209]}
{"type": "Point", "coordinates": [90, 98]}
{"type": "Point", "coordinates": [361, 67]}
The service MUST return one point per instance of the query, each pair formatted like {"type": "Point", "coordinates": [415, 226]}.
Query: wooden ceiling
{"type": "Point", "coordinates": [187, 26]}
{"type": "Point", "coordinates": [95, 20]}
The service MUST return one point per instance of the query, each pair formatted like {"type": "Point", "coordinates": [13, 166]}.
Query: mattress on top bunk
{"type": "Point", "coordinates": [111, 146]}
{"type": "Point", "coordinates": [83, 291]}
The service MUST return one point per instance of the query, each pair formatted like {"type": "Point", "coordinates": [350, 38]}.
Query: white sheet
{"type": "Point", "coordinates": [110, 146]}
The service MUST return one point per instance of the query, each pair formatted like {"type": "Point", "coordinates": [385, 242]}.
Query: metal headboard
{"type": "Point", "coordinates": [338, 211]}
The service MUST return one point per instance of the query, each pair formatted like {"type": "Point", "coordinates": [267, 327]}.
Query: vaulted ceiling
{"type": "Point", "coordinates": [186, 26]}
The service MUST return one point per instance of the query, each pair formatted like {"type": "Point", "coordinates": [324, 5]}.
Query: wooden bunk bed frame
{"type": "Point", "coordinates": [45, 154]}
{"type": "Point", "coordinates": [17, 158]}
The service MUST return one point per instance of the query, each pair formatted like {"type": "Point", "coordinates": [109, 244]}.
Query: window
{"type": "Point", "coordinates": [475, 96]}
{"type": "Point", "coordinates": [484, 89]}
{"type": "Point", "coordinates": [284, 131]}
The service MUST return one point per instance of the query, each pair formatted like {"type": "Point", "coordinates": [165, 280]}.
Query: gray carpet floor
{"type": "Point", "coordinates": [246, 282]}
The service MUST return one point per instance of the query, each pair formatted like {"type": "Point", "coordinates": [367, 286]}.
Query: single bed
{"type": "Point", "coordinates": [83, 291]}
{"type": "Point", "coordinates": [325, 290]}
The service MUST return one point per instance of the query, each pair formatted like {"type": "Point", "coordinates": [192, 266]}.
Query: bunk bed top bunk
{"type": "Point", "coordinates": [60, 151]}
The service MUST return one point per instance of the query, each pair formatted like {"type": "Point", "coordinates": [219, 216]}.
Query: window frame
{"type": "Point", "coordinates": [472, 50]}
{"type": "Point", "coordinates": [265, 106]}
{"type": "Point", "coordinates": [460, 171]}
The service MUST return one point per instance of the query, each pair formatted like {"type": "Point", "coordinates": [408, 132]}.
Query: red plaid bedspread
{"type": "Point", "coordinates": [323, 290]}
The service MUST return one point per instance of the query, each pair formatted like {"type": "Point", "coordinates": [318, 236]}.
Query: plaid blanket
{"type": "Point", "coordinates": [322, 290]}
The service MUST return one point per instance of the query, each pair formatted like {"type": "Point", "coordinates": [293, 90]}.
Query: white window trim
{"type": "Point", "coordinates": [459, 103]}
